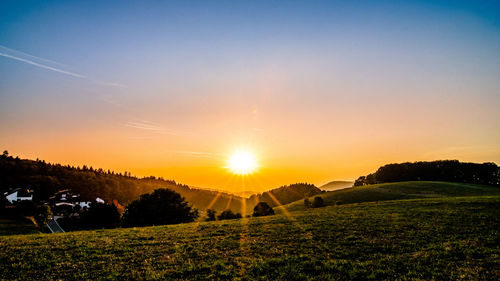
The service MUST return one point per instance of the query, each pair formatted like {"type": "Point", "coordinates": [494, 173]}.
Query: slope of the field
{"type": "Point", "coordinates": [397, 191]}
{"type": "Point", "coordinates": [423, 239]}
{"type": "Point", "coordinates": [16, 225]}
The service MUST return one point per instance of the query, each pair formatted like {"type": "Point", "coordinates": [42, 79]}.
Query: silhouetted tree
{"type": "Point", "coordinates": [286, 194]}
{"type": "Point", "coordinates": [318, 202]}
{"type": "Point", "coordinates": [360, 181]}
{"type": "Point", "coordinates": [262, 209]}
{"type": "Point", "coordinates": [442, 170]}
{"type": "Point", "coordinates": [100, 215]}
{"type": "Point", "coordinates": [163, 206]}
{"type": "Point", "coordinates": [211, 215]}
{"type": "Point", "coordinates": [228, 215]}
{"type": "Point", "coordinates": [307, 203]}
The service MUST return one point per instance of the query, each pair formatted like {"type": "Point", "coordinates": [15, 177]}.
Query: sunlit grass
{"type": "Point", "coordinates": [442, 238]}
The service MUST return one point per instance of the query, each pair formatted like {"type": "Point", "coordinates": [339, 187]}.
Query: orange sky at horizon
{"type": "Point", "coordinates": [317, 90]}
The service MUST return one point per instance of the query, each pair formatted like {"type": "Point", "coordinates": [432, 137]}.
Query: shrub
{"type": "Point", "coordinates": [229, 215]}
{"type": "Point", "coordinates": [43, 214]}
{"type": "Point", "coordinates": [211, 215]}
{"type": "Point", "coordinates": [163, 206]}
{"type": "Point", "coordinates": [262, 209]}
{"type": "Point", "coordinates": [100, 215]}
{"type": "Point", "coordinates": [307, 203]}
{"type": "Point", "coordinates": [318, 202]}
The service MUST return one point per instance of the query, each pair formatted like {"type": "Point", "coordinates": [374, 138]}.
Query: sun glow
{"type": "Point", "coordinates": [242, 162]}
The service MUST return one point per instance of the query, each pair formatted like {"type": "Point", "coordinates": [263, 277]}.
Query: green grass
{"type": "Point", "coordinates": [397, 191]}
{"type": "Point", "coordinates": [16, 225]}
{"type": "Point", "coordinates": [423, 239]}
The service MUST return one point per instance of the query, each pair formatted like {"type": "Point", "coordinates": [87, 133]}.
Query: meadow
{"type": "Point", "coordinates": [397, 191]}
{"type": "Point", "coordinates": [419, 239]}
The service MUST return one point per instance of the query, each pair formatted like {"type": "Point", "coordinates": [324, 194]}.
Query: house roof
{"type": "Point", "coordinates": [21, 192]}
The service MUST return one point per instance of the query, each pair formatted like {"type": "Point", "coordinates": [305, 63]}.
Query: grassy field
{"type": "Point", "coordinates": [13, 226]}
{"type": "Point", "coordinates": [422, 239]}
{"type": "Point", "coordinates": [397, 191]}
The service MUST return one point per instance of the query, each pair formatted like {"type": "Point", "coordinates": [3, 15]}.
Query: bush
{"type": "Point", "coordinates": [318, 202]}
{"type": "Point", "coordinates": [307, 203]}
{"type": "Point", "coordinates": [100, 215]}
{"type": "Point", "coordinates": [43, 214]}
{"type": "Point", "coordinates": [211, 215]}
{"type": "Point", "coordinates": [262, 209]}
{"type": "Point", "coordinates": [229, 215]}
{"type": "Point", "coordinates": [163, 206]}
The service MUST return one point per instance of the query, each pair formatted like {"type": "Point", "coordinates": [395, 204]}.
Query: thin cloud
{"type": "Point", "coordinates": [17, 55]}
{"type": "Point", "coordinates": [196, 153]}
{"type": "Point", "coordinates": [44, 66]}
{"type": "Point", "coordinates": [144, 126]}
{"type": "Point", "coordinates": [154, 127]}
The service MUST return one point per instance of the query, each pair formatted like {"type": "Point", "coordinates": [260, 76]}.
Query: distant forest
{"type": "Point", "coordinates": [443, 170]}
{"type": "Point", "coordinates": [45, 179]}
{"type": "Point", "coordinates": [286, 194]}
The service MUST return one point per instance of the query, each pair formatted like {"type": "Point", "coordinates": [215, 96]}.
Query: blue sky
{"type": "Point", "coordinates": [161, 75]}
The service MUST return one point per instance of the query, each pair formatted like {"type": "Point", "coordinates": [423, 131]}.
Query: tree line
{"type": "Point", "coordinates": [442, 170]}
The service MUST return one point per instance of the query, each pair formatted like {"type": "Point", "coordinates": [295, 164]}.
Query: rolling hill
{"type": "Point", "coordinates": [335, 185]}
{"type": "Point", "coordinates": [426, 239]}
{"type": "Point", "coordinates": [284, 194]}
{"type": "Point", "coordinates": [45, 179]}
{"type": "Point", "coordinates": [398, 191]}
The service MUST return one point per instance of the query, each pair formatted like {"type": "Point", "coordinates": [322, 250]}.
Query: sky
{"type": "Point", "coordinates": [316, 90]}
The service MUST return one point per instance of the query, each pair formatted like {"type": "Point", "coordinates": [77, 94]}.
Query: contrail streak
{"type": "Point", "coordinates": [44, 66]}
{"type": "Point", "coordinates": [32, 56]}
{"type": "Point", "coordinates": [4, 52]}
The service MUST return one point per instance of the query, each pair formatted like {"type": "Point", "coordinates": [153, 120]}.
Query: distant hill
{"type": "Point", "coordinates": [285, 194]}
{"type": "Point", "coordinates": [45, 179]}
{"type": "Point", "coordinates": [441, 170]}
{"type": "Point", "coordinates": [245, 193]}
{"type": "Point", "coordinates": [335, 185]}
{"type": "Point", "coordinates": [398, 191]}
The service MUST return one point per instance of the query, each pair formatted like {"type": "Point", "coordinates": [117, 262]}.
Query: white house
{"type": "Point", "coordinates": [18, 194]}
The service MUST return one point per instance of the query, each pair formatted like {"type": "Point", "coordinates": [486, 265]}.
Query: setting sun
{"type": "Point", "coordinates": [242, 162]}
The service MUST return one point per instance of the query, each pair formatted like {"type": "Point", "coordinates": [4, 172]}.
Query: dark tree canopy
{"type": "Point", "coordinates": [262, 209]}
{"type": "Point", "coordinates": [163, 206]}
{"type": "Point", "coordinates": [45, 179]}
{"type": "Point", "coordinates": [443, 170]}
{"type": "Point", "coordinates": [43, 214]}
{"type": "Point", "coordinates": [318, 202]}
{"type": "Point", "coordinates": [99, 215]}
{"type": "Point", "coordinates": [286, 194]}
{"type": "Point", "coordinates": [228, 215]}
{"type": "Point", "coordinates": [307, 203]}
{"type": "Point", "coordinates": [211, 215]}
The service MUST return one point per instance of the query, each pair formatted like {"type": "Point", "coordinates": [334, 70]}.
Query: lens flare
{"type": "Point", "coordinates": [242, 162]}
